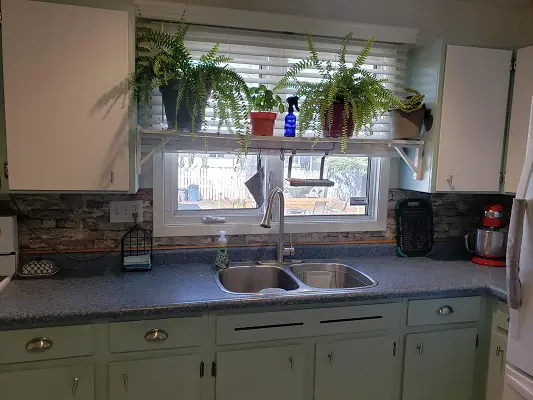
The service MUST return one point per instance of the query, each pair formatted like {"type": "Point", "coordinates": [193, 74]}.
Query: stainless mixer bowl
{"type": "Point", "coordinates": [488, 243]}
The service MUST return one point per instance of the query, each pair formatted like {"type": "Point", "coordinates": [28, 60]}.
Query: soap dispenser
{"type": "Point", "coordinates": [222, 260]}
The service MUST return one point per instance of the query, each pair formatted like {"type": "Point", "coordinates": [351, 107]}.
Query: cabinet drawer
{"type": "Point", "coordinates": [443, 311]}
{"type": "Point", "coordinates": [45, 344]}
{"type": "Point", "coordinates": [157, 334]}
{"type": "Point", "coordinates": [233, 329]}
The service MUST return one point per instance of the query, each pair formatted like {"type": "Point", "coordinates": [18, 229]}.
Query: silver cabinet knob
{"type": "Point", "coordinates": [156, 335]}
{"type": "Point", "coordinates": [125, 381]}
{"type": "Point", "coordinates": [291, 361]}
{"type": "Point", "coordinates": [331, 356]}
{"type": "Point", "coordinates": [39, 345]}
{"type": "Point", "coordinates": [444, 310]}
{"type": "Point", "coordinates": [499, 351]}
{"type": "Point", "coordinates": [75, 382]}
{"type": "Point", "coordinates": [420, 348]}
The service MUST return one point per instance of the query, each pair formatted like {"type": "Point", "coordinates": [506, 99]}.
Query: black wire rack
{"type": "Point", "coordinates": [137, 242]}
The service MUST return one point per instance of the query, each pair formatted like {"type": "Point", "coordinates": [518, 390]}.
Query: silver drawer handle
{"type": "Point", "coordinates": [156, 335]}
{"type": "Point", "coordinates": [75, 383]}
{"type": "Point", "coordinates": [444, 310]}
{"type": "Point", "coordinates": [39, 345]}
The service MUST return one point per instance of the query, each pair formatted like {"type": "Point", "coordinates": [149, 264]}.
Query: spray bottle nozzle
{"type": "Point", "coordinates": [293, 103]}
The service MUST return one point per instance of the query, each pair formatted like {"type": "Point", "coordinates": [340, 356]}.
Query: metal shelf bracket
{"type": "Point", "coordinates": [416, 164]}
{"type": "Point", "coordinates": [162, 143]}
{"type": "Point", "coordinates": [147, 157]}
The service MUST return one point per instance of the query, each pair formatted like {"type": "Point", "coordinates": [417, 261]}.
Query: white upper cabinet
{"type": "Point", "coordinates": [474, 109]}
{"type": "Point", "coordinates": [67, 116]}
{"type": "Point", "coordinates": [519, 124]}
{"type": "Point", "coordinates": [467, 89]}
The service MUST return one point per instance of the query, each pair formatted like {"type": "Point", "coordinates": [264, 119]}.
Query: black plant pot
{"type": "Point", "coordinates": [169, 92]}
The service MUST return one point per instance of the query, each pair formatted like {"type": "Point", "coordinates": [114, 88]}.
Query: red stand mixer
{"type": "Point", "coordinates": [489, 240]}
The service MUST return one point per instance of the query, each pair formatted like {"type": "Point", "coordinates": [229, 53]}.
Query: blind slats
{"type": "Point", "coordinates": [265, 57]}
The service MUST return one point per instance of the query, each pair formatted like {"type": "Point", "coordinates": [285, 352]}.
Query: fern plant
{"type": "Point", "coordinates": [363, 96]}
{"type": "Point", "coordinates": [168, 64]}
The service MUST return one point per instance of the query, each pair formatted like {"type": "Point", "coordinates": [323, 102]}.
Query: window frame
{"type": "Point", "coordinates": [244, 222]}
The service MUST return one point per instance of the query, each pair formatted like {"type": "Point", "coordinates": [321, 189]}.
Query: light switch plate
{"type": "Point", "coordinates": [122, 211]}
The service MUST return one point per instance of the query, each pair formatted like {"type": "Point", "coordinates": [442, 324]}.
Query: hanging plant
{"type": "Point", "coordinates": [346, 99]}
{"type": "Point", "coordinates": [187, 85]}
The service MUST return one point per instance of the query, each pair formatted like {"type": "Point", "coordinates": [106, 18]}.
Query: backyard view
{"type": "Point", "coordinates": [347, 196]}
{"type": "Point", "coordinates": [217, 181]}
{"type": "Point", "coordinates": [214, 181]}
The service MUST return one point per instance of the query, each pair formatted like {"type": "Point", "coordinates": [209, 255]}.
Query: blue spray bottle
{"type": "Point", "coordinates": [290, 119]}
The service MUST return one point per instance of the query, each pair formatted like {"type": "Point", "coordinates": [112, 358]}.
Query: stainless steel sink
{"type": "Point", "coordinates": [256, 279]}
{"type": "Point", "coordinates": [331, 276]}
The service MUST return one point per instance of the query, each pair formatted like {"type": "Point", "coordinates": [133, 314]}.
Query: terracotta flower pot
{"type": "Point", "coordinates": [335, 130]}
{"type": "Point", "coordinates": [263, 123]}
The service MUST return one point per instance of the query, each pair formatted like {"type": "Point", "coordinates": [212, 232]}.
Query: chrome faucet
{"type": "Point", "coordinates": [265, 223]}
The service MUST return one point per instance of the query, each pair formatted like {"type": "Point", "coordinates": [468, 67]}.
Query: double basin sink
{"type": "Point", "coordinates": [290, 278]}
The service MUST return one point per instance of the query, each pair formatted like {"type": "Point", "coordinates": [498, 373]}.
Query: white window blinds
{"type": "Point", "coordinates": [264, 57]}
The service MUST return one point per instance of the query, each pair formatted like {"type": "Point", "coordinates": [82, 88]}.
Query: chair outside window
{"type": "Point", "coordinates": [320, 207]}
{"type": "Point", "coordinates": [336, 206]}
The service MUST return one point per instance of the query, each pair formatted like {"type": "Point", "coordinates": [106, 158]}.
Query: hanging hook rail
{"type": "Point", "coordinates": [154, 141]}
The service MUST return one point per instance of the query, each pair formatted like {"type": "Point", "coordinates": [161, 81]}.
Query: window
{"type": "Point", "coordinates": [212, 182]}
{"type": "Point", "coordinates": [191, 186]}
{"type": "Point", "coordinates": [348, 195]}
{"type": "Point", "coordinates": [264, 57]}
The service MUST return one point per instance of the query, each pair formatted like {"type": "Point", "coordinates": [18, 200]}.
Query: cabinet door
{"type": "Point", "coordinates": [66, 111]}
{"type": "Point", "coordinates": [496, 372]}
{"type": "Point", "coordinates": [439, 365]}
{"type": "Point", "coordinates": [161, 378]}
{"type": "Point", "coordinates": [72, 382]}
{"type": "Point", "coordinates": [260, 374]}
{"type": "Point", "coordinates": [519, 123]}
{"type": "Point", "coordinates": [472, 126]}
{"type": "Point", "coordinates": [359, 368]}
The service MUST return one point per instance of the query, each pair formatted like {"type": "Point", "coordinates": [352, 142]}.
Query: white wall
{"type": "Point", "coordinates": [491, 23]}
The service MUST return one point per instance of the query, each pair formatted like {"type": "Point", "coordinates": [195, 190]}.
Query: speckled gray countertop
{"type": "Point", "coordinates": [171, 291]}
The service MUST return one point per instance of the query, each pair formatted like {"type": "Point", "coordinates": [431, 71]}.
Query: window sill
{"type": "Point", "coordinates": [255, 229]}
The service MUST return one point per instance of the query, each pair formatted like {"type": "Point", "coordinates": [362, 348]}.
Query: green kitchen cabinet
{"type": "Point", "coordinates": [159, 378]}
{"type": "Point", "coordinates": [63, 383]}
{"type": "Point", "coordinates": [496, 370]}
{"type": "Point", "coordinates": [439, 365]}
{"type": "Point", "coordinates": [358, 368]}
{"type": "Point", "coordinates": [260, 374]}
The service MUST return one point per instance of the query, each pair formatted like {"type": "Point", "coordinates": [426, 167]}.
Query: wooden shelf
{"type": "Point", "coordinates": [153, 141]}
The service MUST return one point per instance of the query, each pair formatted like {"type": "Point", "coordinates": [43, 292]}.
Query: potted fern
{"type": "Point", "coordinates": [346, 99]}
{"type": "Point", "coordinates": [408, 118]}
{"type": "Point", "coordinates": [186, 84]}
{"type": "Point", "coordinates": [263, 101]}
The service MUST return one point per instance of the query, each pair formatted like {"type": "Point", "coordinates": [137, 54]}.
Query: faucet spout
{"type": "Point", "coordinates": [267, 217]}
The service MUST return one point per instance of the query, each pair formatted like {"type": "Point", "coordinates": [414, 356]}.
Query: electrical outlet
{"type": "Point", "coordinates": [122, 211]}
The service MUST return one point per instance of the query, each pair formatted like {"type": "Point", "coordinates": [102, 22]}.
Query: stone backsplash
{"type": "Point", "coordinates": [81, 221]}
